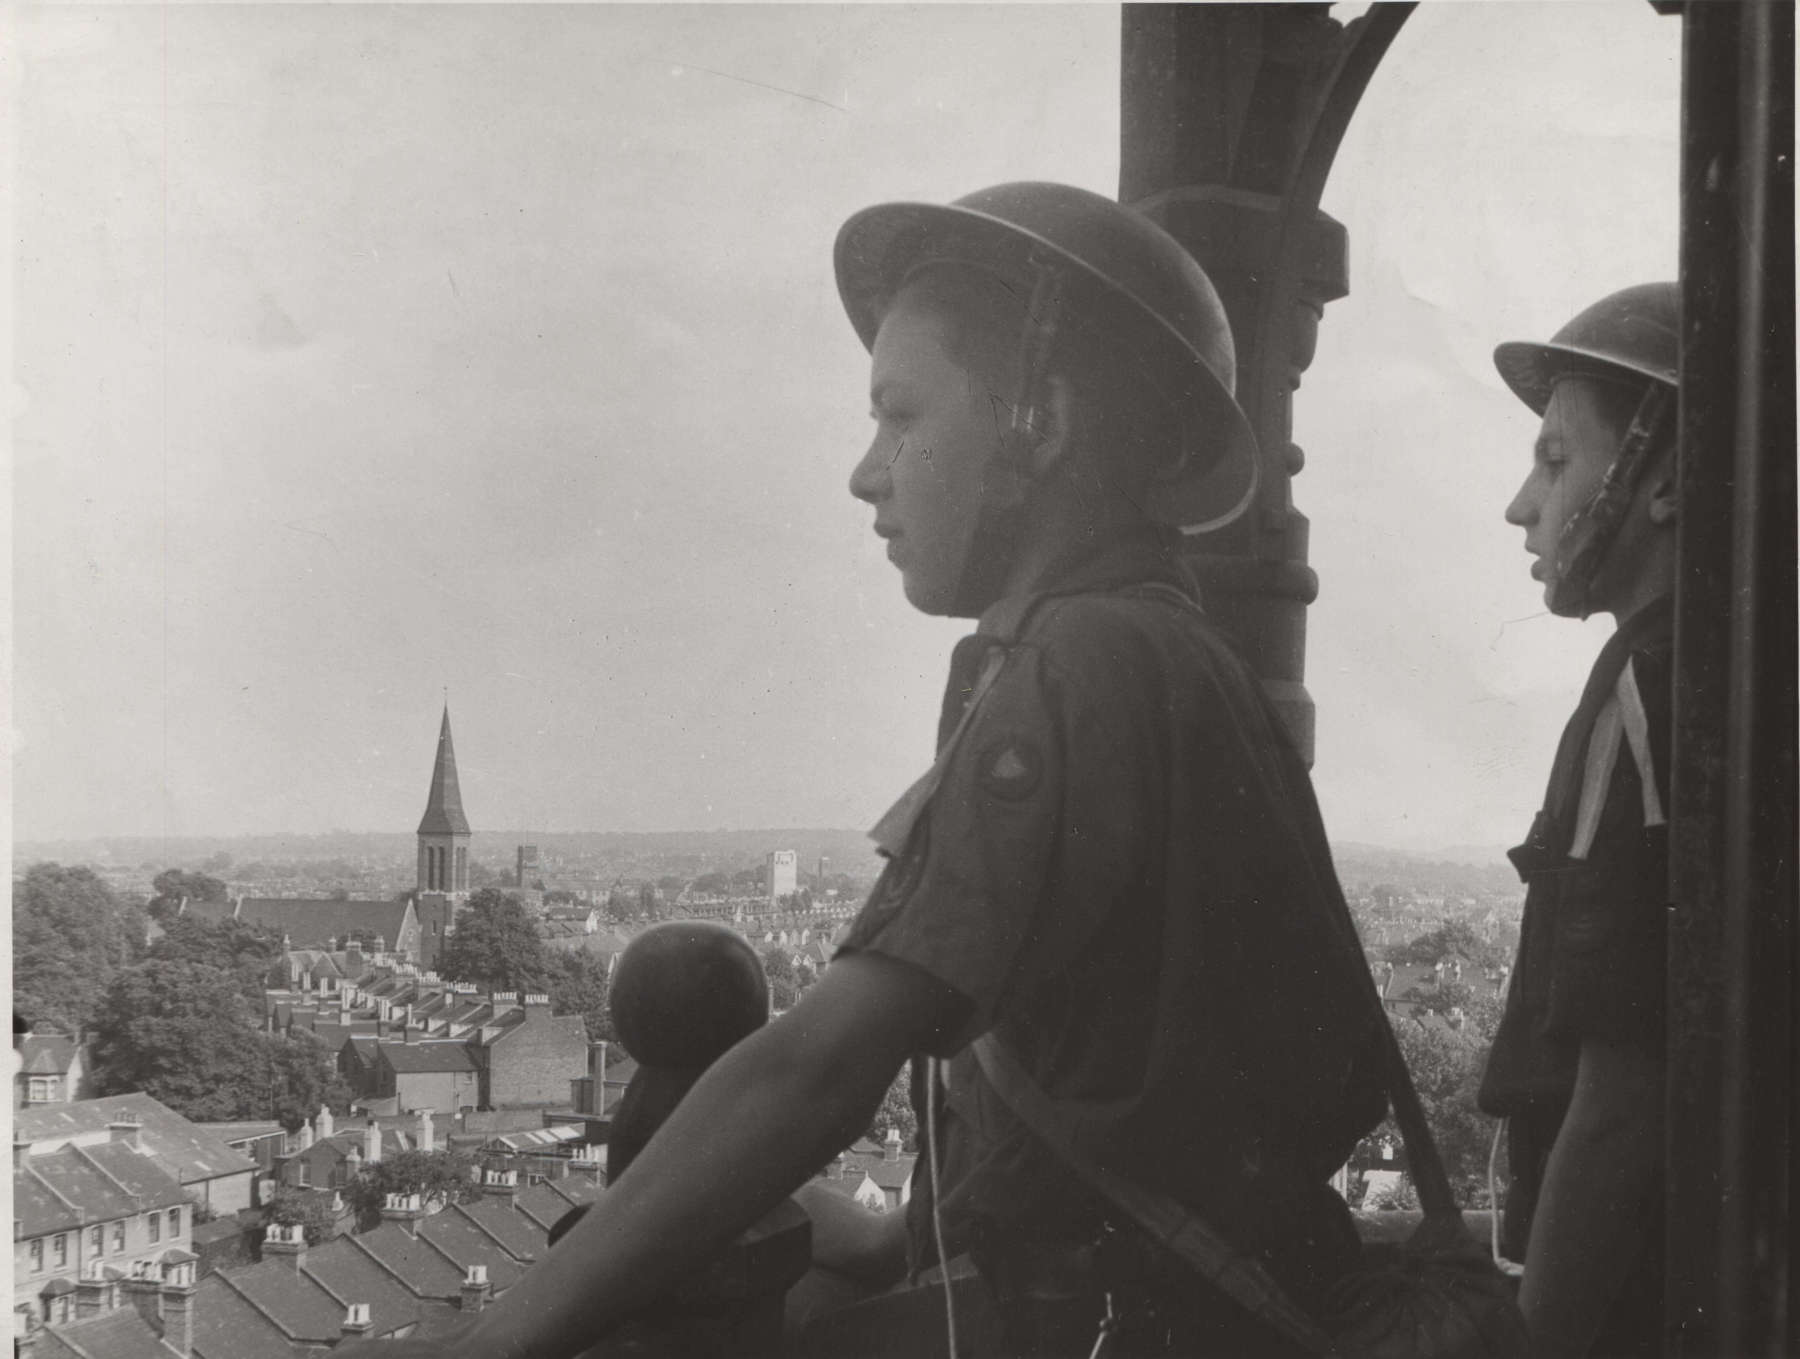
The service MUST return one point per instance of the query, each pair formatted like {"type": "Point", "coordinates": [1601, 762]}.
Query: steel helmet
{"type": "Point", "coordinates": [1632, 336]}
{"type": "Point", "coordinates": [1634, 333]}
{"type": "Point", "coordinates": [1113, 271]}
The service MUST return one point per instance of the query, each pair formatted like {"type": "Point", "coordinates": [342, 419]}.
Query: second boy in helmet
{"type": "Point", "coordinates": [1113, 869]}
{"type": "Point", "coordinates": [1577, 1066]}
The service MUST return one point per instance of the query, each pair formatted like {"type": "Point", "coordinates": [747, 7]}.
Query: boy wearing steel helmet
{"type": "Point", "coordinates": [1577, 1066]}
{"type": "Point", "coordinates": [1113, 869]}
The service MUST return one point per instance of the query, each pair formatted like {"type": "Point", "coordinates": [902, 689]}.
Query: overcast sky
{"type": "Point", "coordinates": [368, 353]}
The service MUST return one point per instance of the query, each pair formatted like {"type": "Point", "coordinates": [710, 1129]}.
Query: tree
{"type": "Point", "coordinates": [184, 1033]}
{"type": "Point", "coordinates": [784, 984]}
{"type": "Point", "coordinates": [1453, 938]}
{"type": "Point", "coordinates": [896, 1111]}
{"type": "Point", "coordinates": [173, 885]}
{"type": "Point", "coordinates": [304, 1075]}
{"type": "Point", "coordinates": [495, 945]}
{"type": "Point", "coordinates": [71, 936]}
{"type": "Point", "coordinates": [310, 1210]}
{"type": "Point", "coordinates": [249, 952]}
{"type": "Point", "coordinates": [578, 987]}
{"type": "Point", "coordinates": [1446, 1068]}
{"type": "Point", "coordinates": [440, 1177]}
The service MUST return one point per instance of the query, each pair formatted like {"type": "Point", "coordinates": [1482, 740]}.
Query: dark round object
{"type": "Point", "coordinates": [685, 991]}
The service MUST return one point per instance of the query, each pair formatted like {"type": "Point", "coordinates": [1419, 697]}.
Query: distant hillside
{"type": "Point", "coordinates": [1463, 869]}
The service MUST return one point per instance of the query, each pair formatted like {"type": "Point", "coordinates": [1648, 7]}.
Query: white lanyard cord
{"type": "Point", "coordinates": [932, 1073]}
{"type": "Point", "coordinates": [1511, 1268]}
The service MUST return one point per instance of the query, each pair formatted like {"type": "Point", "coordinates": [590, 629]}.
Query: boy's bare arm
{"type": "Point", "coordinates": [1595, 1202]}
{"type": "Point", "coordinates": [761, 1120]}
{"type": "Point", "coordinates": [867, 1247]}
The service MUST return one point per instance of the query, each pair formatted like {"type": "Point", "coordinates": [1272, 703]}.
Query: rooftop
{"type": "Point", "coordinates": [190, 1151]}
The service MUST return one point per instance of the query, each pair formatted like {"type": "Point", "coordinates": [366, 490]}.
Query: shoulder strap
{"type": "Point", "coordinates": [1234, 1273]}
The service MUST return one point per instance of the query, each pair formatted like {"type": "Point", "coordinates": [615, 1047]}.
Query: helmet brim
{"type": "Point", "coordinates": [880, 247]}
{"type": "Point", "coordinates": [1533, 370]}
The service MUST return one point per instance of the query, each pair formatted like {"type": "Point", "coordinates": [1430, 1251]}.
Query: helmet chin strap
{"type": "Point", "coordinates": [999, 524]}
{"type": "Point", "coordinates": [1589, 535]}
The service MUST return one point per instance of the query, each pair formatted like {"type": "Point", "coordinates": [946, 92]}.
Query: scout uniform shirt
{"type": "Point", "coordinates": [1118, 862]}
{"type": "Point", "coordinates": [1592, 943]}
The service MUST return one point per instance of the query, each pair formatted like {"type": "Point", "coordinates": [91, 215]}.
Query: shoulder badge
{"type": "Point", "coordinates": [1010, 768]}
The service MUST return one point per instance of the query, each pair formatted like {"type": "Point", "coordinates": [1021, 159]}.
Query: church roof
{"type": "Point", "coordinates": [443, 807]}
{"type": "Point", "coordinates": [319, 920]}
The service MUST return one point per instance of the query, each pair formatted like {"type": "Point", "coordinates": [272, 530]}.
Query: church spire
{"type": "Point", "coordinates": [443, 807]}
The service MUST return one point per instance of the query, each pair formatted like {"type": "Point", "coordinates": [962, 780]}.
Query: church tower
{"type": "Point", "coordinates": [444, 830]}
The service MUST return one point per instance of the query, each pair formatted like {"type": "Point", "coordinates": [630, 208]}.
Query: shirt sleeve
{"type": "Point", "coordinates": [1609, 952]}
{"type": "Point", "coordinates": [1030, 843]}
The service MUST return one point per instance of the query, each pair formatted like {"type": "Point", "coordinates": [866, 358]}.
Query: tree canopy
{"type": "Point", "coordinates": [578, 987]}
{"type": "Point", "coordinates": [71, 936]}
{"type": "Point", "coordinates": [173, 884]}
{"type": "Point", "coordinates": [1451, 939]}
{"type": "Point", "coordinates": [496, 946]}
{"type": "Point", "coordinates": [184, 1033]}
{"type": "Point", "coordinates": [249, 952]}
{"type": "Point", "coordinates": [444, 1177]}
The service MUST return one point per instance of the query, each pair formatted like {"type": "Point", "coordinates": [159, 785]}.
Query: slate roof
{"type": "Point", "coordinates": [291, 1299]}
{"type": "Point", "coordinates": [352, 1276]}
{"type": "Point", "coordinates": [228, 1327]}
{"type": "Point", "coordinates": [191, 1152]}
{"type": "Point", "coordinates": [517, 1235]}
{"type": "Point", "coordinates": [238, 1132]}
{"type": "Point", "coordinates": [88, 1184]}
{"type": "Point", "coordinates": [46, 1054]}
{"type": "Point", "coordinates": [462, 1242]}
{"type": "Point", "coordinates": [571, 1026]}
{"type": "Point", "coordinates": [545, 1203]}
{"type": "Point", "coordinates": [432, 1055]}
{"type": "Point", "coordinates": [314, 920]}
{"type": "Point", "coordinates": [119, 1334]}
{"type": "Point", "coordinates": [424, 1271]}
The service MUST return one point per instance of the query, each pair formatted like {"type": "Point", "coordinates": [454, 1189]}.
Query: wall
{"type": "Point", "coordinates": [532, 1065]}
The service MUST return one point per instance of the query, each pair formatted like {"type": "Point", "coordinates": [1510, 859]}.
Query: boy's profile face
{"type": "Point", "coordinates": [936, 429]}
{"type": "Point", "coordinates": [1575, 447]}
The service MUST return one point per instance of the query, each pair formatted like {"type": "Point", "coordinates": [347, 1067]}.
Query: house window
{"type": "Point", "coordinates": [45, 1089]}
{"type": "Point", "coordinates": [306, 1174]}
{"type": "Point", "coordinates": [97, 1241]}
{"type": "Point", "coordinates": [174, 1222]}
{"type": "Point", "coordinates": [62, 1310]}
{"type": "Point", "coordinates": [37, 1257]}
{"type": "Point", "coordinates": [118, 1236]}
{"type": "Point", "coordinates": [155, 1227]}
{"type": "Point", "coordinates": [60, 1249]}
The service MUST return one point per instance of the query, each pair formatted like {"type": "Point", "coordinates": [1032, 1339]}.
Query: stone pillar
{"type": "Point", "coordinates": [1231, 114]}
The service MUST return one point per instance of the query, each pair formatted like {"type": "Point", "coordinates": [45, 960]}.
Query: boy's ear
{"type": "Point", "coordinates": [1051, 426]}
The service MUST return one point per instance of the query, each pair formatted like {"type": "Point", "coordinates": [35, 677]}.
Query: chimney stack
{"type": "Point", "coordinates": [427, 1136]}
{"type": "Point", "coordinates": [144, 1287]}
{"type": "Point", "coordinates": [501, 1184]}
{"type": "Point", "coordinates": [128, 1128]}
{"type": "Point", "coordinates": [178, 1301]}
{"type": "Point", "coordinates": [405, 1209]}
{"type": "Point", "coordinates": [836, 1169]}
{"type": "Point", "coordinates": [890, 1149]}
{"type": "Point", "coordinates": [325, 1123]}
{"type": "Point", "coordinates": [475, 1289]}
{"type": "Point", "coordinates": [357, 1321]}
{"type": "Point", "coordinates": [371, 1142]}
{"type": "Point", "coordinates": [95, 1292]}
{"type": "Point", "coordinates": [21, 1148]}
{"type": "Point", "coordinates": [285, 1241]}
